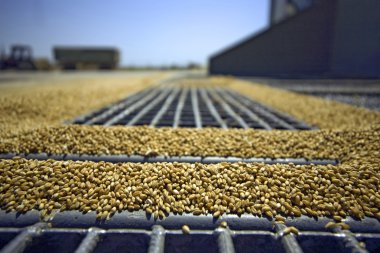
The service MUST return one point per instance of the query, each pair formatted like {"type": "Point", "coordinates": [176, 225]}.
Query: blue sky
{"type": "Point", "coordinates": [146, 32]}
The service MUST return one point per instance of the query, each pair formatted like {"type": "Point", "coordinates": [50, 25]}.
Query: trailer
{"type": "Point", "coordinates": [86, 57]}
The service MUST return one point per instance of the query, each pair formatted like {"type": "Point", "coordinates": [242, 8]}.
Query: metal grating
{"type": "Point", "coordinates": [191, 107]}
{"type": "Point", "coordinates": [135, 232]}
{"type": "Point", "coordinates": [40, 237]}
{"type": "Point", "coordinates": [168, 159]}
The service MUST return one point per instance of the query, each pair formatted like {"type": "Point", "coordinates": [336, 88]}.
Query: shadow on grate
{"type": "Point", "coordinates": [175, 106]}
{"type": "Point", "coordinates": [41, 238]}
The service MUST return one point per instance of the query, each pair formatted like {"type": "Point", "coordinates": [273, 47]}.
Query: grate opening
{"type": "Point", "coordinates": [264, 243]}
{"type": "Point", "coordinates": [372, 244]}
{"type": "Point", "coordinates": [191, 107]}
{"type": "Point", "coordinates": [51, 241]}
{"type": "Point", "coordinates": [322, 243]}
{"type": "Point", "coordinates": [6, 237]}
{"type": "Point", "coordinates": [123, 242]}
{"type": "Point", "coordinates": [200, 242]}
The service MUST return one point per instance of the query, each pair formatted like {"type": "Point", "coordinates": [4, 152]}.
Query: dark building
{"type": "Point", "coordinates": [309, 38]}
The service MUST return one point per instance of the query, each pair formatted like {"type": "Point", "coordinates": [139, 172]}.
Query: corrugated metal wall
{"type": "Point", "coordinates": [333, 38]}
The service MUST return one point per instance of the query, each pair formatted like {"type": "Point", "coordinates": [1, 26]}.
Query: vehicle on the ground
{"type": "Point", "coordinates": [71, 58]}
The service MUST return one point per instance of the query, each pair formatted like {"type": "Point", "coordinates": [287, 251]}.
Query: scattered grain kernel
{"type": "Point", "coordinates": [289, 230]}
{"type": "Point", "coordinates": [185, 229]}
{"type": "Point", "coordinates": [223, 224]}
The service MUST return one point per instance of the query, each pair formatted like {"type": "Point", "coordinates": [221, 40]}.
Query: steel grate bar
{"type": "Point", "coordinates": [157, 240]}
{"type": "Point", "coordinates": [158, 159]}
{"type": "Point", "coordinates": [261, 109]}
{"type": "Point", "coordinates": [241, 107]}
{"type": "Point", "coordinates": [228, 109]}
{"type": "Point", "coordinates": [225, 243]}
{"type": "Point", "coordinates": [212, 108]}
{"type": "Point", "coordinates": [350, 241]}
{"type": "Point", "coordinates": [127, 102]}
{"type": "Point", "coordinates": [205, 230]}
{"type": "Point", "coordinates": [288, 240]}
{"type": "Point", "coordinates": [197, 115]}
{"type": "Point", "coordinates": [132, 108]}
{"type": "Point", "coordinates": [89, 242]}
{"type": "Point", "coordinates": [21, 241]}
{"type": "Point", "coordinates": [148, 107]}
{"type": "Point", "coordinates": [165, 107]}
{"type": "Point", "coordinates": [178, 111]}
{"type": "Point", "coordinates": [225, 239]}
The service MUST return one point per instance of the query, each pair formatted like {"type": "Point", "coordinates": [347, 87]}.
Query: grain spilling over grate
{"type": "Point", "coordinates": [163, 188]}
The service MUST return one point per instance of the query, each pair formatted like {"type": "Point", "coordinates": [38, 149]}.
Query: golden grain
{"type": "Point", "coordinates": [185, 229]}
{"type": "Point", "coordinates": [223, 224]}
{"type": "Point", "coordinates": [215, 196]}
{"type": "Point", "coordinates": [289, 230]}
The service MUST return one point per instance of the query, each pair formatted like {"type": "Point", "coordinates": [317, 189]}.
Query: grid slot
{"type": "Point", "coordinates": [193, 242]}
{"type": "Point", "coordinates": [225, 117]}
{"type": "Point", "coordinates": [230, 116]}
{"type": "Point", "coordinates": [89, 242]}
{"type": "Point", "coordinates": [53, 241]}
{"type": "Point", "coordinates": [372, 243]}
{"type": "Point", "coordinates": [187, 115]}
{"type": "Point", "coordinates": [179, 108]}
{"type": "Point", "coordinates": [164, 107]}
{"type": "Point", "coordinates": [321, 243]}
{"type": "Point", "coordinates": [123, 114]}
{"type": "Point", "coordinates": [24, 239]}
{"type": "Point", "coordinates": [215, 120]}
{"type": "Point", "coordinates": [167, 119]}
{"type": "Point", "coordinates": [258, 242]}
{"type": "Point", "coordinates": [114, 241]}
{"type": "Point", "coordinates": [115, 109]}
{"type": "Point", "coordinates": [6, 237]}
{"type": "Point", "coordinates": [252, 119]}
{"type": "Point", "coordinates": [270, 117]}
{"type": "Point", "coordinates": [281, 118]}
{"type": "Point", "coordinates": [287, 118]}
{"type": "Point", "coordinates": [82, 119]}
{"type": "Point", "coordinates": [349, 240]}
{"type": "Point", "coordinates": [248, 115]}
{"type": "Point", "coordinates": [196, 106]}
{"type": "Point", "coordinates": [144, 117]}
